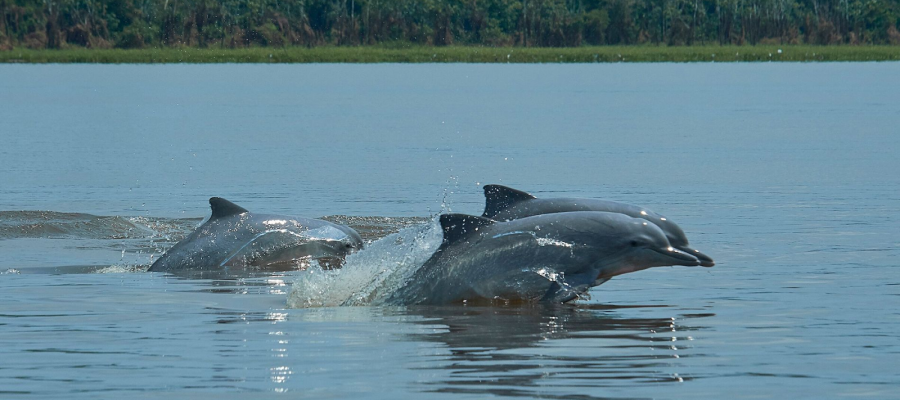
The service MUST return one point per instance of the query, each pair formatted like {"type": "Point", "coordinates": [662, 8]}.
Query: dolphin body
{"type": "Point", "coordinates": [504, 203]}
{"type": "Point", "coordinates": [551, 258]}
{"type": "Point", "coordinates": [236, 240]}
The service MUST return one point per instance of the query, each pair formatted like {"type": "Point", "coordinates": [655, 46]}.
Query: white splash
{"type": "Point", "coordinates": [550, 274]}
{"type": "Point", "coordinates": [552, 242]}
{"type": "Point", "coordinates": [122, 269]}
{"type": "Point", "coordinates": [371, 275]}
{"type": "Point", "coordinates": [540, 241]}
{"type": "Point", "coordinates": [326, 232]}
{"type": "Point", "coordinates": [560, 277]}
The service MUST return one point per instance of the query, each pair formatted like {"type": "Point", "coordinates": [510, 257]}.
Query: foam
{"type": "Point", "coordinates": [371, 275]}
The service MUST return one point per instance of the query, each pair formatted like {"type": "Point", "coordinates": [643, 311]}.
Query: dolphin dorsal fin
{"type": "Point", "coordinates": [499, 197]}
{"type": "Point", "coordinates": [457, 226]}
{"type": "Point", "coordinates": [224, 208]}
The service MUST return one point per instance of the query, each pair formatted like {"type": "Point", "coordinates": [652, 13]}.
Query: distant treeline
{"type": "Point", "coordinates": [539, 23]}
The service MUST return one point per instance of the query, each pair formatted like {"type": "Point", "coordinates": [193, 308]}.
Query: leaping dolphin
{"type": "Point", "coordinates": [503, 203]}
{"type": "Point", "coordinates": [234, 239]}
{"type": "Point", "coordinates": [551, 257]}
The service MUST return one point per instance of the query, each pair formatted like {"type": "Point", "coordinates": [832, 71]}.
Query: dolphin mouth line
{"type": "Point", "coordinates": [705, 260]}
{"type": "Point", "coordinates": [683, 257]}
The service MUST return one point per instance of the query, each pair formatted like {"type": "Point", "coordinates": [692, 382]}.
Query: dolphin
{"type": "Point", "coordinates": [551, 258]}
{"type": "Point", "coordinates": [234, 239]}
{"type": "Point", "coordinates": [504, 203]}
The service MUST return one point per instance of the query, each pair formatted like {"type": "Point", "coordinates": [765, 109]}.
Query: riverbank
{"type": "Point", "coordinates": [380, 54]}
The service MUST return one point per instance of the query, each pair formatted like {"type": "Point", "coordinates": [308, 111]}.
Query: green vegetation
{"type": "Point", "coordinates": [216, 24]}
{"type": "Point", "coordinates": [459, 54]}
{"type": "Point", "coordinates": [140, 31]}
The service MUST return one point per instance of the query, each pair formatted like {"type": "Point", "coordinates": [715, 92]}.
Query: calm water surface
{"type": "Point", "coordinates": [785, 173]}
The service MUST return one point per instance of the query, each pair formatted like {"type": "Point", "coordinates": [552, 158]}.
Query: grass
{"type": "Point", "coordinates": [420, 54]}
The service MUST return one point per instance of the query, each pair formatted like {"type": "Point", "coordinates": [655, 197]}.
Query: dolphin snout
{"type": "Point", "coordinates": [705, 260]}
{"type": "Point", "coordinates": [677, 257]}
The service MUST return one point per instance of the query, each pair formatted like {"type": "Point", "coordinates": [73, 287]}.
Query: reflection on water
{"type": "Point", "coordinates": [154, 333]}
{"type": "Point", "coordinates": [523, 351]}
{"type": "Point", "coordinates": [566, 351]}
{"type": "Point", "coordinates": [514, 351]}
{"type": "Point", "coordinates": [259, 283]}
{"type": "Point", "coordinates": [232, 335]}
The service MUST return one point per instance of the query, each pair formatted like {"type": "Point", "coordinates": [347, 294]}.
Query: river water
{"type": "Point", "coordinates": [786, 174]}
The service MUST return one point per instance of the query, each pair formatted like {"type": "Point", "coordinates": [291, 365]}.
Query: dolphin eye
{"type": "Point", "coordinates": [634, 243]}
{"type": "Point", "coordinates": [348, 245]}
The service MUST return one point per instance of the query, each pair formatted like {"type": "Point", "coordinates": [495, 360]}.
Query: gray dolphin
{"type": "Point", "coordinates": [551, 257]}
{"type": "Point", "coordinates": [504, 203]}
{"type": "Point", "coordinates": [234, 239]}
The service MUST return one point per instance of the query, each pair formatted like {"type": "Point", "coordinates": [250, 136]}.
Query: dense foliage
{"type": "Point", "coordinates": [555, 23]}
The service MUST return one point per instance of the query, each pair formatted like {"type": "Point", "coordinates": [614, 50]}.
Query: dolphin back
{"type": "Point", "coordinates": [457, 226]}
{"type": "Point", "coordinates": [485, 260]}
{"type": "Point", "coordinates": [504, 204]}
{"type": "Point", "coordinates": [222, 208]}
{"type": "Point", "coordinates": [235, 239]}
{"type": "Point", "coordinates": [498, 198]}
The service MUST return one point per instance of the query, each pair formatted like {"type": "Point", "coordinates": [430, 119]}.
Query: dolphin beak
{"type": "Point", "coordinates": [678, 257]}
{"type": "Point", "coordinates": [705, 260]}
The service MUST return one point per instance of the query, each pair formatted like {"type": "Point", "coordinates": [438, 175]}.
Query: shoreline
{"type": "Point", "coordinates": [458, 54]}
